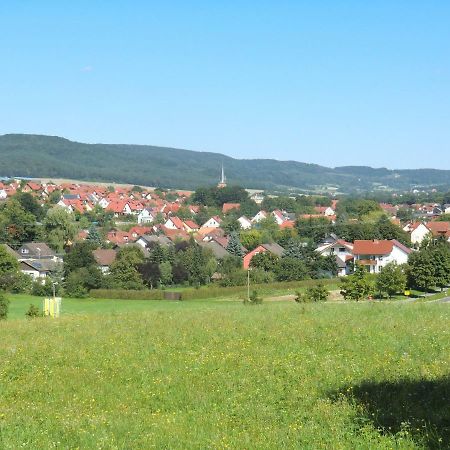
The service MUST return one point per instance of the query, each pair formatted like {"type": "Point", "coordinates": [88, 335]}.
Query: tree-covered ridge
{"type": "Point", "coordinates": [49, 156]}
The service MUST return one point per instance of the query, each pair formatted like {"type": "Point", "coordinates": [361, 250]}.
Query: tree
{"type": "Point", "coordinates": [16, 224]}
{"type": "Point", "coordinates": [421, 270]}
{"type": "Point", "coordinates": [441, 258]}
{"type": "Point", "coordinates": [165, 269]}
{"type": "Point", "coordinates": [9, 268]}
{"type": "Point", "coordinates": [150, 273]}
{"type": "Point", "coordinates": [60, 227]}
{"type": "Point", "coordinates": [265, 261]}
{"type": "Point", "coordinates": [30, 204]}
{"type": "Point", "coordinates": [291, 269]}
{"type": "Point", "coordinates": [124, 270]}
{"type": "Point", "coordinates": [80, 255]}
{"type": "Point", "coordinates": [4, 306]}
{"type": "Point", "coordinates": [250, 239]}
{"type": "Point", "coordinates": [391, 280]}
{"type": "Point", "coordinates": [94, 236]}
{"type": "Point", "coordinates": [234, 246]}
{"type": "Point", "coordinates": [357, 286]}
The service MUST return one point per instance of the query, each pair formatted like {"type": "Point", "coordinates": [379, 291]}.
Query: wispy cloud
{"type": "Point", "coordinates": [87, 69]}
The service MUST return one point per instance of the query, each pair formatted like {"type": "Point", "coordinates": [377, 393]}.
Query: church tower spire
{"type": "Point", "coordinates": [223, 180]}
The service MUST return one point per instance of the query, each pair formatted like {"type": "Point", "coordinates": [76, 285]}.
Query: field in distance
{"type": "Point", "coordinates": [224, 375]}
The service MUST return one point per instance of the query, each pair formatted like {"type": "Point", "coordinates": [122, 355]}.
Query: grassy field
{"type": "Point", "coordinates": [203, 374]}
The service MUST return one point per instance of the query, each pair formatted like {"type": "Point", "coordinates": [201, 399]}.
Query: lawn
{"type": "Point", "coordinates": [214, 374]}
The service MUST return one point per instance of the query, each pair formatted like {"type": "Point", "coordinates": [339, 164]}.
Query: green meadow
{"type": "Point", "coordinates": [129, 374]}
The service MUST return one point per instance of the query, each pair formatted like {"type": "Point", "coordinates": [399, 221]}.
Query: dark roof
{"type": "Point", "coordinates": [41, 265]}
{"type": "Point", "coordinates": [274, 248]}
{"type": "Point", "coordinates": [40, 249]}
{"type": "Point", "coordinates": [104, 257]}
{"type": "Point", "coordinates": [217, 250]}
{"type": "Point", "coordinates": [162, 240]}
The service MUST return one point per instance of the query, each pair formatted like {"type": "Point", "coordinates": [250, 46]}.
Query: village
{"type": "Point", "coordinates": [113, 218]}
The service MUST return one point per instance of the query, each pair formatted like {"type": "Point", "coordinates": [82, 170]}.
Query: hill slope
{"type": "Point", "coordinates": [49, 156]}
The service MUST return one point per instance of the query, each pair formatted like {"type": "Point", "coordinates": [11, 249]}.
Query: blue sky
{"type": "Point", "coordinates": [327, 82]}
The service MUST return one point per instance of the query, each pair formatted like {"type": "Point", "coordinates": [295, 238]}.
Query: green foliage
{"type": "Point", "coordinates": [33, 312]}
{"type": "Point", "coordinates": [317, 293]}
{"type": "Point", "coordinates": [234, 246]}
{"type": "Point", "coordinates": [250, 239]}
{"type": "Point", "coordinates": [265, 261]}
{"type": "Point", "coordinates": [291, 269]}
{"type": "Point", "coordinates": [124, 272]}
{"type": "Point", "coordinates": [357, 208]}
{"type": "Point", "coordinates": [391, 280]}
{"type": "Point", "coordinates": [16, 224]}
{"type": "Point", "coordinates": [80, 255]}
{"type": "Point", "coordinates": [30, 204]}
{"type": "Point", "coordinates": [94, 236]}
{"type": "Point", "coordinates": [254, 298]}
{"type": "Point", "coordinates": [43, 289]}
{"type": "Point", "coordinates": [21, 283]}
{"type": "Point", "coordinates": [314, 229]}
{"type": "Point", "coordinates": [357, 286]}
{"type": "Point", "coordinates": [165, 269]}
{"type": "Point", "coordinates": [4, 306]}
{"type": "Point", "coordinates": [421, 270]}
{"type": "Point", "coordinates": [48, 156]}
{"type": "Point", "coordinates": [60, 228]}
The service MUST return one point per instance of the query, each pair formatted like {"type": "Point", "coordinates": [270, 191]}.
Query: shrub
{"type": "Point", "coordinates": [254, 299]}
{"type": "Point", "coordinates": [42, 289]}
{"type": "Point", "coordinates": [4, 306]}
{"type": "Point", "coordinates": [22, 283]}
{"type": "Point", "coordinates": [33, 311]}
{"type": "Point", "coordinates": [317, 293]}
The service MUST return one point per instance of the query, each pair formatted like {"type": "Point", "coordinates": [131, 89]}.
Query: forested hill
{"type": "Point", "coordinates": [38, 156]}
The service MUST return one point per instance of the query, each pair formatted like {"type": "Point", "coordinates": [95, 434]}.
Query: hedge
{"type": "Point", "coordinates": [210, 291]}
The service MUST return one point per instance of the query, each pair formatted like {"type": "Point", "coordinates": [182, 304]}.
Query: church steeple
{"type": "Point", "coordinates": [223, 180]}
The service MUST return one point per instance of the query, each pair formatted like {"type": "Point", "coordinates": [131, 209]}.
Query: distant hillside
{"type": "Point", "coordinates": [49, 156]}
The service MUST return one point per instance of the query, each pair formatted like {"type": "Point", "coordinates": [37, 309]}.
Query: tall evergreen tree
{"type": "Point", "coordinates": [234, 246]}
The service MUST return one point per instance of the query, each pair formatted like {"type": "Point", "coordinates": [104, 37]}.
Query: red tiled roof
{"type": "Point", "coordinates": [229, 207]}
{"type": "Point", "coordinates": [377, 247]}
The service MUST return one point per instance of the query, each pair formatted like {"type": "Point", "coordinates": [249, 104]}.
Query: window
{"type": "Point", "coordinates": [341, 249]}
{"type": "Point", "coordinates": [24, 250]}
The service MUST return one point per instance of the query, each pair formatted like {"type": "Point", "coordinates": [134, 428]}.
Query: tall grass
{"type": "Point", "coordinates": [210, 291]}
{"type": "Point", "coordinates": [281, 375]}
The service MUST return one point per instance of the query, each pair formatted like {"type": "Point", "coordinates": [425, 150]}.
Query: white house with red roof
{"type": "Point", "coordinates": [245, 223]}
{"type": "Point", "coordinates": [260, 215]}
{"type": "Point", "coordinates": [376, 254]}
{"type": "Point", "coordinates": [342, 250]}
{"type": "Point", "coordinates": [214, 222]}
{"type": "Point", "coordinates": [324, 210]}
{"type": "Point", "coordinates": [174, 223]}
{"type": "Point", "coordinates": [278, 216]}
{"type": "Point", "coordinates": [146, 216]}
{"type": "Point", "coordinates": [190, 226]}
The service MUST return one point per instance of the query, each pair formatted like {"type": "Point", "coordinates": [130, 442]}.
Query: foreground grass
{"type": "Point", "coordinates": [222, 375]}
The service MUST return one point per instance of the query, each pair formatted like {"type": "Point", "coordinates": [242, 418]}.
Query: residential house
{"type": "Point", "coordinates": [342, 250]}
{"type": "Point", "coordinates": [227, 207]}
{"type": "Point", "coordinates": [272, 248]}
{"type": "Point", "coordinates": [214, 222]}
{"type": "Point", "coordinates": [244, 223]}
{"type": "Point", "coordinates": [104, 258]}
{"type": "Point", "coordinates": [260, 215]}
{"type": "Point", "coordinates": [375, 254]}
{"type": "Point", "coordinates": [36, 250]}
{"type": "Point", "coordinates": [38, 268]}
{"type": "Point", "coordinates": [146, 216]}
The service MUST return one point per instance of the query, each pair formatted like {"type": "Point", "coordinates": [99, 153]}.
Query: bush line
{"type": "Point", "coordinates": [203, 292]}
